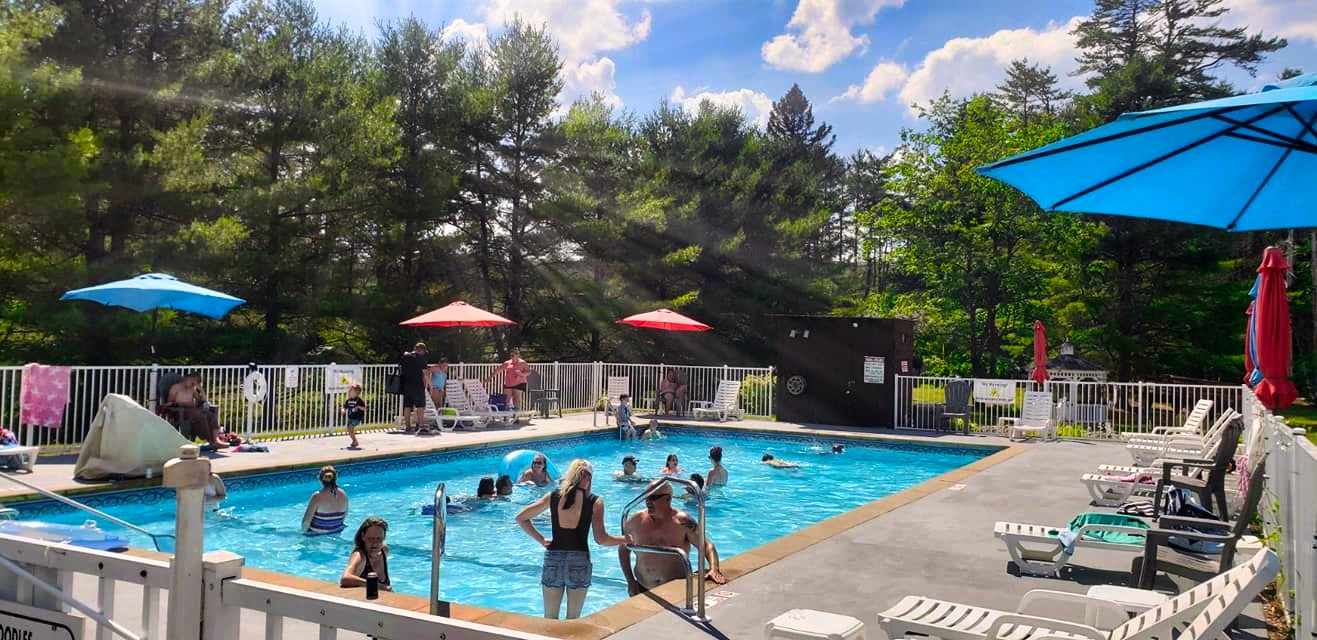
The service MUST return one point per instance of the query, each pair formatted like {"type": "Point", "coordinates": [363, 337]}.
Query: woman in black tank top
{"type": "Point", "coordinates": [573, 511]}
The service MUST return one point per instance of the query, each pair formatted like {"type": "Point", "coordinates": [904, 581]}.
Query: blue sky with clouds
{"type": "Point", "coordinates": [861, 62]}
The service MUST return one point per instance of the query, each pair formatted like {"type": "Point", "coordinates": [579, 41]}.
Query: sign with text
{"type": "Point", "coordinates": [875, 369]}
{"type": "Point", "coordinates": [21, 622]}
{"type": "Point", "coordinates": [339, 376]}
{"type": "Point", "coordinates": [292, 375]}
{"type": "Point", "coordinates": [994, 391]}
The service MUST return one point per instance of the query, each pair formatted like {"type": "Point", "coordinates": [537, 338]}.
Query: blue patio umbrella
{"type": "Point", "coordinates": [151, 291]}
{"type": "Point", "coordinates": [1242, 163]}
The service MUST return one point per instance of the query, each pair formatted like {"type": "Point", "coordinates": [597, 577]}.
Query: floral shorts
{"type": "Point", "coordinates": [566, 570]}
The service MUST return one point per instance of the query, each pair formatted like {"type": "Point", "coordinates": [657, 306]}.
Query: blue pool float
{"type": "Point", "coordinates": [88, 535]}
{"type": "Point", "coordinates": [517, 461]}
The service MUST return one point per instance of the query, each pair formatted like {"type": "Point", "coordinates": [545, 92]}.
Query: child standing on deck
{"type": "Point", "coordinates": [355, 409]}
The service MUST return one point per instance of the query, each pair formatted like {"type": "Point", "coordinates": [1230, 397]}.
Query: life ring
{"type": "Point", "coordinates": [254, 387]}
{"type": "Point", "coordinates": [517, 461]}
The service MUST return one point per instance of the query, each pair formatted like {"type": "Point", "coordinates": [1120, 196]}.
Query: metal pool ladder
{"type": "Point", "coordinates": [437, 542]}
{"type": "Point", "coordinates": [694, 608]}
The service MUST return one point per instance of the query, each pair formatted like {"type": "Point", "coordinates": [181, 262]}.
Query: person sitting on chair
{"type": "Point", "coordinates": [190, 397]}
{"type": "Point", "coordinates": [669, 389]}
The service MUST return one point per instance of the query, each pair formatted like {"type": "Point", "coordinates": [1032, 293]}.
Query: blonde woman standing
{"type": "Point", "coordinates": [573, 511]}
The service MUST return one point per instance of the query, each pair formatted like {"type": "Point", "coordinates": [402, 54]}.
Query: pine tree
{"type": "Point", "coordinates": [1029, 89]}
{"type": "Point", "coordinates": [792, 118]}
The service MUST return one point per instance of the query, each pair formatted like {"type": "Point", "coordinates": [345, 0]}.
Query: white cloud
{"type": "Point", "coordinates": [474, 35]}
{"type": "Point", "coordinates": [755, 106]}
{"type": "Point", "coordinates": [964, 66]}
{"type": "Point", "coordinates": [1292, 19]}
{"type": "Point", "coordinates": [885, 77]}
{"type": "Point", "coordinates": [583, 28]}
{"type": "Point", "coordinates": [582, 79]}
{"type": "Point", "coordinates": [819, 33]}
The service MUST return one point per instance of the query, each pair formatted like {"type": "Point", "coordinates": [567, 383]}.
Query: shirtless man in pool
{"type": "Point", "coordinates": [661, 526]}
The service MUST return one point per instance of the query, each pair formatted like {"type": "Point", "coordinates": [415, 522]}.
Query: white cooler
{"type": "Point", "coordinates": [808, 624]}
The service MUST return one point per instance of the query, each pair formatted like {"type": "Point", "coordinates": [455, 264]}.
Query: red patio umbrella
{"type": "Point", "coordinates": [1271, 343]}
{"type": "Point", "coordinates": [665, 319]}
{"type": "Point", "coordinates": [457, 314]}
{"type": "Point", "coordinates": [1039, 373]}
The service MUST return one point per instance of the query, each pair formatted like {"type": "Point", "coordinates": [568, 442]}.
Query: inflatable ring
{"type": "Point", "coordinates": [254, 387]}
{"type": "Point", "coordinates": [517, 461]}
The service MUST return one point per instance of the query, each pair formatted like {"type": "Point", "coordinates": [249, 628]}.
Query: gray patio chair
{"type": "Point", "coordinates": [956, 404]}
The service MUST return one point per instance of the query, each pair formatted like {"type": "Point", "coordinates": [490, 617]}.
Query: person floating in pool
{"type": "Point", "coordinates": [839, 448]}
{"type": "Point", "coordinates": [328, 508]}
{"type": "Point", "coordinates": [663, 526]}
{"type": "Point", "coordinates": [670, 467]}
{"type": "Point", "coordinates": [369, 555]}
{"type": "Point", "coordinates": [503, 486]}
{"type": "Point", "coordinates": [537, 473]}
{"type": "Point", "coordinates": [769, 460]}
{"type": "Point", "coordinates": [628, 472]}
{"type": "Point", "coordinates": [651, 432]}
{"type": "Point", "coordinates": [717, 476]}
{"type": "Point", "coordinates": [574, 513]}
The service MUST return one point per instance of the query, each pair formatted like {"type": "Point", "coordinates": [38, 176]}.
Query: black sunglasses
{"type": "Point", "coordinates": [655, 496]}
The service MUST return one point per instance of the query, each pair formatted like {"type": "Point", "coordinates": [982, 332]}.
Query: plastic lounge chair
{"type": "Point", "coordinates": [19, 456]}
{"type": "Point", "coordinates": [1193, 425]}
{"type": "Point", "coordinates": [1206, 478]}
{"type": "Point", "coordinates": [1160, 555]}
{"type": "Point", "coordinates": [442, 419]}
{"type": "Point", "coordinates": [455, 398]}
{"type": "Point", "coordinates": [481, 406]}
{"type": "Point", "coordinates": [724, 404]}
{"type": "Point", "coordinates": [618, 386]}
{"type": "Point", "coordinates": [1035, 416]}
{"type": "Point", "coordinates": [956, 403]}
{"type": "Point", "coordinates": [1198, 446]}
{"type": "Point", "coordinates": [1201, 613]}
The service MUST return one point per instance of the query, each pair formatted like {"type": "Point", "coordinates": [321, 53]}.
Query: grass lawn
{"type": "Point", "coordinates": [1302, 415]}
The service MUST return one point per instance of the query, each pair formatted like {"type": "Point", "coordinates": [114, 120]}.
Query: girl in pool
{"type": "Point", "coordinates": [503, 486]}
{"type": "Point", "coordinates": [574, 512]}
{"type": "Point", "coordinates": [538, 472]}
{"type": "Point", "coordinates": [369, 555]}
{"type": "Point", "coordinates": [327, 509]}
{"type": "Point", "coordinates": [671, 468]}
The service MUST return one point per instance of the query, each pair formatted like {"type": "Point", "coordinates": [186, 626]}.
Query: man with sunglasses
{"type": "Point", "coordinates": [660, 525]}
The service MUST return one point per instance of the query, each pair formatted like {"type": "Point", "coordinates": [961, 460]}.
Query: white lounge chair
{"type": "Point", "coordinates": [1199, 447]}
{"type": "Point", "coordinates": [1035, 416]}
{"type": "Point", "coordinates": [1114, 484]}
{"type": "Point", "coordinates": [1037, 549]}
{"type": "Point", "coordinates": [618, 386]}
{"type": "Point", "coordinates": [443, 420]}
{"type": "Point", "coordinates": [481, 406]}
{"type": "Point", "coordinates": [1201, 613]}
{"type": "Point", "coordinates": [455, 398]}
{"type": "Point", "coordinates": [725, 403]}
{"type": "Point", "coordinates": [1193, 425]}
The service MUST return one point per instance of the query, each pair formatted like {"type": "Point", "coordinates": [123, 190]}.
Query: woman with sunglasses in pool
{"type": "Point", "coordinates": [574, 512]}
{"type": "Point", "coordinates": [537, 473]}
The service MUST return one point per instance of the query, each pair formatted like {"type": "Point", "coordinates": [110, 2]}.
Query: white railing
{"type": "Point", "coordinates": [1289, 514]}
{"type": "Point", "coordinates": [298, 404]}
{"type": "Point", "coordinates": [1084, 409]}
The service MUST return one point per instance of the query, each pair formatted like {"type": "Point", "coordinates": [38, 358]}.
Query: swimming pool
{"type": "Point", "coordinates": [490, 562]}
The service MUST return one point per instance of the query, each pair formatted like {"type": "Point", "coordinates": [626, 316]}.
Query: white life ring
{"type": "Point", "coordinates": [254, 387]}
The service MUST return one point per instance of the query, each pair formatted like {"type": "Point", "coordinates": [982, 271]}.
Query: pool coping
{"type": "Point", "coordinates": [633, 610]}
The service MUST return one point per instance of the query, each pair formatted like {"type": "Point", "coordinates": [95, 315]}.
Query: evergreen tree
{"type": "Point", "coordinates": [1030, 89]}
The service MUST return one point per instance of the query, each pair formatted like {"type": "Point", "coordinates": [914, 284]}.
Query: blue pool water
{"type": "Point", "coordinates": [490, 562]}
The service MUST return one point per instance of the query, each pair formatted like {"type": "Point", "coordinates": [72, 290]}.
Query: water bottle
{"type": "Point", "coordinates": [372, 586]}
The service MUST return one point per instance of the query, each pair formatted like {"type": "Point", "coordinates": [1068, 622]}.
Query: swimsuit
{"type": "Point", "coordinates": [366, 568]}
{"type": "Point", "coordinates": [326, 522]}
{"type": "Point", "coordinates": [567, 560]}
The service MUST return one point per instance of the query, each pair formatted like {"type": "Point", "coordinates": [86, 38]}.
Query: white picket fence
{"type": "Point", "coordinates": [1100, 410]}
{"type": "Point", "coordinates": [298, 403]}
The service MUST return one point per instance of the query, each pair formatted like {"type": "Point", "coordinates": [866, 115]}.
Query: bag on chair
{"type": "Point", "coordinates": [393, 384]}
{"type": "Point", "coordinates": [500, 401]}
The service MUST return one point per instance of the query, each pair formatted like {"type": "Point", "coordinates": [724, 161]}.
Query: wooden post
{"type": "Point", "coordinates": [188, 476]}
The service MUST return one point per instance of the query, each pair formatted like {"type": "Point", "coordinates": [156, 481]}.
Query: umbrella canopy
{"type": "Point", "coordinates": [457, 314]}
{"type": "Point", "coordinates": [665, 319]}
{"type": "Point", "coordinates": [158, 291]}
{"type": "Point", "coordinates": [1236, 163]}
{"type": "Point", "coordinates": [1271, 318]}
{"type": "Point", "coordinates": [1039, 373]}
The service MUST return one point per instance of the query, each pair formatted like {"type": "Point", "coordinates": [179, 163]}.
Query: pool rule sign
{"type": "Point", "coordinates": [875, 369]}
{"type": "Point", "coordinates": [21, 622]}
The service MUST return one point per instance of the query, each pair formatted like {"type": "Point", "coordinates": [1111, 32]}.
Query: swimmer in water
{"type": "Point", "coordinates": [769, 460]}
{"type": "Point", "coordinates": [628, 472]}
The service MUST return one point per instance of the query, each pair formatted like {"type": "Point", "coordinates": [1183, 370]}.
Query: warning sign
{"type": "Point", "coordinates": [338, 377]}
{"type": "Point", "coordinates": [875, 369]}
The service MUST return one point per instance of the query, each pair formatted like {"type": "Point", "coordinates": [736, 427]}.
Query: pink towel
{"type": "Point", "coordinates": [43, 396]}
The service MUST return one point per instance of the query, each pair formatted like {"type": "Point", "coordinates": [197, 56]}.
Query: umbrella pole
{"type": "Point", "coordinates": [155, 319]}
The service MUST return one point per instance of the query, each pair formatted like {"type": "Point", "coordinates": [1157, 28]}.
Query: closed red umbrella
{"type": "Point", "coordinates": [1271, 342]}
{"type": "Point", "coordinates": [457, 314]}
{"type": "Point", "coordinates": [664, 319]}
{"type": "Point", "coordinates": [1039, 373]}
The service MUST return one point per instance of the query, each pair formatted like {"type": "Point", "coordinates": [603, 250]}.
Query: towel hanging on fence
{"type": "Point", "coordinates": [45, 391]}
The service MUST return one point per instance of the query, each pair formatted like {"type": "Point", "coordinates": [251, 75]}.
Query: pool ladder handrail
{"type": "Point", "coordinates": [438, 540]}
{"type": "Point", "coordinates": [96, 512]}
{"type": "Point", "coordinates": [693, 609]}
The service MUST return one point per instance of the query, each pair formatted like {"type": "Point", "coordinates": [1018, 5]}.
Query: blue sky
{"type": "Point", "coordinates": [861, 62]}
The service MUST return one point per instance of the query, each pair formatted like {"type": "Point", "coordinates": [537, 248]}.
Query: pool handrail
{"type": "Point", "coordinates": [437, 542]}
{"type": "Point", "coordinates": [96, 512]}
{"type": "Point", "coordinates": [99, 617]}
{"type": "Point", "coordinates": [697, 611]}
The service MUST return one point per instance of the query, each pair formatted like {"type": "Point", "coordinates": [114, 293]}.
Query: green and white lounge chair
{"type": "Point", "coordinates": [1043, 550]}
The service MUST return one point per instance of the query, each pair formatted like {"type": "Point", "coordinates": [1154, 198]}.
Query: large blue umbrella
{"type": "Point", "coordinates": [151, 291]}
{"type": "Point", "coordinates": [1242, 163]}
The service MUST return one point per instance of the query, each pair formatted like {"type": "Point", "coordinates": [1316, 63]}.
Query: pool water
{"type": "Point", "coordinates": [490, 562]}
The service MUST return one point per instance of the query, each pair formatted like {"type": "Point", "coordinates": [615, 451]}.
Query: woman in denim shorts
{"type": "Point", "coordinates": [573, 511]}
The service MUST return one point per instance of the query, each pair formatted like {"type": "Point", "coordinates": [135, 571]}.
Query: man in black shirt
{"type": "Point", "coordinates": [411, 368]}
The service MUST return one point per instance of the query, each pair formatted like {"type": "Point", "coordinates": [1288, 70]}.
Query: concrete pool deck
{"type": "Point", "coordinates": [934, 539]}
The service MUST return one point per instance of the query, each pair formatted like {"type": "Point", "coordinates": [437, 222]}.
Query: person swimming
{"type": "Point", "coordinates": [504, 485]}
{"type": "Point", "coordinates": [327, 509]}
{"type": "Point", "coordinates": [670, 467]}
{"type": "Point", "coordinates": [769, 460]}
{"type": "Point", "coordinates": [537, 473]}
{"type": "Point", "coordinates": [839, 448]}
{"type": "Point", "coordinates": [628, 472]}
